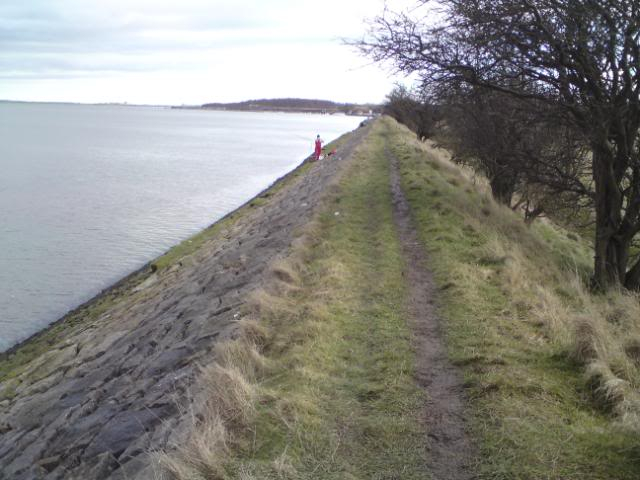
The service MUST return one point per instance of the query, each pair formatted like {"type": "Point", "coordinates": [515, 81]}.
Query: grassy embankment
{"type": "Point", "coordinates": [321, 386]}
{"type": "Point", "coordinates": [551, 370]}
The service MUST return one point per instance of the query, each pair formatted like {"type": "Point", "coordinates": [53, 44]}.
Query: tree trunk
{"type": "Point", "coordinates": [632, 279]}
{"type": "Point", "coordinates": [611, 248]}
{"type": "Point", "coordinates": [502, 188]}
{"type": "Point", "coordinates": [530, 214]}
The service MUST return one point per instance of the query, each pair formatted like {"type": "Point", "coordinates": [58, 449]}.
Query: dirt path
{"type": "Point", "coordinates": [94, 405]}
{"type": "Point", "coordinates": [450, 450]}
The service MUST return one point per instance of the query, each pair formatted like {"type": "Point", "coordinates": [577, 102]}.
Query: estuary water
{"type": "Point", "coordinates": [90, 193]}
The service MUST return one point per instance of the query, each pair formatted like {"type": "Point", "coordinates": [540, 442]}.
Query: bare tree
{"type": "Point", "coordinates": [409, 109]}
{"type": "Point", "coordinates": [581, 56]}
{"type": "Point", "coordinates": [482, 134]}
{"type": "Point", "coordinates": [524, 149]}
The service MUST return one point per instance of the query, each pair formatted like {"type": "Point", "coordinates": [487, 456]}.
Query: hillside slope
{"type": "Point", "coordinates": [296, 105]}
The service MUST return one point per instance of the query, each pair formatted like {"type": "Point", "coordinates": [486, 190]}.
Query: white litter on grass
{"type": "Point", "coordinates": [236, 315]}
{"type": "Point", "coordinates": [336, 213]}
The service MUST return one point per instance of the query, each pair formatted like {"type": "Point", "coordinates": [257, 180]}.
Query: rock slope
{"type": "Point", "coordinates": [94, 405]}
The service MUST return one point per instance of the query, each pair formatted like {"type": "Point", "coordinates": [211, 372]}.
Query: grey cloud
{"type": "Point", "coordinates": [43, 25]}
{"type": "Point", "coordinates": [34, 31]}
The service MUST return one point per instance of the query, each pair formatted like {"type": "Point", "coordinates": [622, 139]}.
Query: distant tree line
{"type": "Point", "coordinates": [296, 105]}
{"type": "Point", "coordinates": [543, 96]}
{"type": "Point", "coordinates": [411, 110]}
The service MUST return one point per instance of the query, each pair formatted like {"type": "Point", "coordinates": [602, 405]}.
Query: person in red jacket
{"type": "Point", "coordinates": [319, 143]}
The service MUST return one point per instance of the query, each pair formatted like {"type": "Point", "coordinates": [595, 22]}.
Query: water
{"type": "Point", "coordinates": [90, 193]}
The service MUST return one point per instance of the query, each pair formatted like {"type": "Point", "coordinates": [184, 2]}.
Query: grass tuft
{"type": "Point", "coordinates": [586, 337]}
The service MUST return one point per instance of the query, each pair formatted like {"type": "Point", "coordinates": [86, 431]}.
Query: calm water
{"type": "Point", "coordinates": [90, 193]}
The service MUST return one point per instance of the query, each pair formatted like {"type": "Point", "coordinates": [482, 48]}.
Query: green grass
{"type": "Point", "coordinates": [507, 300]}
{"type": "Point", "coordinates": [340, 401]}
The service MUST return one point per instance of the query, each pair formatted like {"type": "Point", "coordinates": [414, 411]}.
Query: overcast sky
{"type": "Point", "coordinates": [186, 51]}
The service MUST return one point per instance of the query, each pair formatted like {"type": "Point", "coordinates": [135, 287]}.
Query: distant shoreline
{"type": "Point", "coordinates": [272, 110]}
{"type": "Point", "coordinates": [282, 105]}
{"type": "Point", "coordinates": [297, 105]}
{"type": "Point", "coordinates": [197, 107]}
{"type": "Point", "coordinates": [112, 104]}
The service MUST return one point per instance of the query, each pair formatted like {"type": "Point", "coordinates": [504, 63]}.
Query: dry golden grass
{"type": "Point", "coordinates": [632, 349]}
{"type": "Point", "coordinates": [254, 332]}
{"type": "Point", "coordinates": [604, 343]}
{"type": "Point", "coordinates": [228, 388]}
{"type": "Point", "coordinates": [585, 347]}
{"type": "Point", "coordinates": [283, 278]}
{"type": "Point", "coordinates": [224, 403]}
{"type": "Point", "coordinates": [243, 356]}
{"type": "Point", "coordinates": [201, 457]}
{"type": "Point", "coordinates": [264, 301]}
{"type": "Point", "coordinates": [283, 467]}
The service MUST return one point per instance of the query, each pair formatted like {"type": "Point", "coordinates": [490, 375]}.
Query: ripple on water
{"type": "Point", "coordinates": [106, 189]}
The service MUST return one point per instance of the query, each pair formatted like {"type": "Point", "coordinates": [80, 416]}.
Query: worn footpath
{"type": "Point", "coordinates": [450, 448]}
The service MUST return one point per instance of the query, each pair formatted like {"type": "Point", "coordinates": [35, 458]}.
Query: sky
{"type": "Point", "coordinates": [187, 51]}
